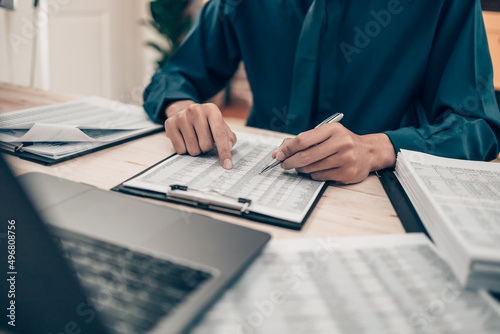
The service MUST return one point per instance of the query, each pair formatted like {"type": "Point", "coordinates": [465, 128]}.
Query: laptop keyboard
{"type": "Point", "coordinates": [133, 290]}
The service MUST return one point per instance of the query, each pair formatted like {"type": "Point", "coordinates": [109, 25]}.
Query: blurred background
{"type": "Point", "coordinates": [111, 48]}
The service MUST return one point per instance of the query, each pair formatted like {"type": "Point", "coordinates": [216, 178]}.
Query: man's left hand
{"type": "Point", "coordinates": [333, 153]}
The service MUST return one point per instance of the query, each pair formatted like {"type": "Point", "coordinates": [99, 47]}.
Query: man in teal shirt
{"type": "Point", "coordinates": [408, 74]}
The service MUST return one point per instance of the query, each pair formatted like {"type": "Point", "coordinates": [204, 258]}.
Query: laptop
{"type": "Point", "coordinates": [85, 260]}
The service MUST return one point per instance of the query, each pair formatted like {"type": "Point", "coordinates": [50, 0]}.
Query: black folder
{"type": "Point", "coordinates": [401, 203]}
{"type": "Point", "coordinates": [50, 161]}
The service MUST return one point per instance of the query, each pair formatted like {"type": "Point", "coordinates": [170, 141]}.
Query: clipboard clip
{"type": "Point", "coordinates": [210, 199]}
{"type": "Point", "coordinates": [20, 147]}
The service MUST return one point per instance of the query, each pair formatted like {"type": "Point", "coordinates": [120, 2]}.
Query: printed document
{"type": "Point", "coordinates": [467, 192]}
{"type": "Point", "coordinates": [458, 201]}
{"type": "Point", "coordinates": [60, 130]}
{"type": "Point", "coordinates": [276, 193]}
{"type": "Point", "coordinates": [381, 284]}
{"type": "Point", "coordinates": [90, 119]}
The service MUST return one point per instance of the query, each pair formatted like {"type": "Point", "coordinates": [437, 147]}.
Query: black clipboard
{"type": "Point", "coordinates": [49, 161]}
{"type": "Point", "coordinates": [244, 214]}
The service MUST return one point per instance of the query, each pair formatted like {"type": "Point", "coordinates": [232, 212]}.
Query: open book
{"type": "Point", "coordinates": [277, 197]}
{"type": "Point", "coordinates": [57, 132]}
{"type": "Point", "coordinates": [458, 201]}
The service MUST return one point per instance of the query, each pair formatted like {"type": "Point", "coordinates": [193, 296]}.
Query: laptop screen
{"type": "Point", "coordinates": [40, 293]}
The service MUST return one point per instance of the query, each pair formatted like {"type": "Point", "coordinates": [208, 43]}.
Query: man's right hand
{"type": "Point", "coordinates": [194, 128]}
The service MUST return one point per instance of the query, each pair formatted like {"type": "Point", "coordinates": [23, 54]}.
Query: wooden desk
{"type": "Point", "coordinates": [361, 209]}
{"type": "Point", "coordinates": [492, 25]}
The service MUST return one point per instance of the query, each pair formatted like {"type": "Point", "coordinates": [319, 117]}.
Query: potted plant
{"type": "Point", "coordinates": [172, 20]}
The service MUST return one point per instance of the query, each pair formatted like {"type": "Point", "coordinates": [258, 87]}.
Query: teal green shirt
{"type": "Point", "coordinates": [419, 71]}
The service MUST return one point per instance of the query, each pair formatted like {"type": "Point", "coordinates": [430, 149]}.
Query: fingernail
{"type": "Point", "coordinates": [280, 156]}
{"type": "Point", "coordinates": [227, 164]}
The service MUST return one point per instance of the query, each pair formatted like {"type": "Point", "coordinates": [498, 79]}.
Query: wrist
{"type": "Point", "coordinates": [380, 151]}
{"type": "Point", "coordinates": [177, 106]}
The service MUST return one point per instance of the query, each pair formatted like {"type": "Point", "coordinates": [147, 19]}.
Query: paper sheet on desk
{"type": "Point", "coordinates": [383, 284]}
{"type": "Point", "coordinates": [284, 195]}
{"type": "Point", "coordinates": [88, 120]}
{"type": "Point", "coordinates": [58, 133]}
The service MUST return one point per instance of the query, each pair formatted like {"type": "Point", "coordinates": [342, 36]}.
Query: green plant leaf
{"type": "Point", "coordinates": [171, 20]}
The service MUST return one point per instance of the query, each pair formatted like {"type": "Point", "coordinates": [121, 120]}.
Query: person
{"type": "Point", "coordinates": [407, 74]}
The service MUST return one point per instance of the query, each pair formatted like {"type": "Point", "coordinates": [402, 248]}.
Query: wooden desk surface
{"type": "Point", "coordinates": [360, 209]}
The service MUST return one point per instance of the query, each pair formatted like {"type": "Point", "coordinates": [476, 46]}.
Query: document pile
{"type": "Point", "coordinates": [459, 203]}
{"type": "Point", "coordinates": [58, 132]}
{"type": "Point", "coordinates": [395, 284]}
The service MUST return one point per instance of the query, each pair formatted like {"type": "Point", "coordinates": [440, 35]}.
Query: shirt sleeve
{"type": "Point", "coordinates": [202, 65]}
{"type": "Point", "coordinates": [456, 114]}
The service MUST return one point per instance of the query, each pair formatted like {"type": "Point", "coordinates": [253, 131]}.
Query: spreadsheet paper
{"type": "Point", "coordinates": [381, 284]}
{"type": "Point", "coordinates": [277, 193]}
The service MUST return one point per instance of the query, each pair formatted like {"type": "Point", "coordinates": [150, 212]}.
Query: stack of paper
{"type": "Point", "coordinates": [62, 130]}
{"type": "Point", "coordinates": [459, 203]}
{"type": "Point", "coordinates": [383, 284]}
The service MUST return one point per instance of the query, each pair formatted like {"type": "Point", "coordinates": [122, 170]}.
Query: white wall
{"type": "Point", "coordinates": [92, 47]}
{"type": "Point", "coordinates": [16, 44]}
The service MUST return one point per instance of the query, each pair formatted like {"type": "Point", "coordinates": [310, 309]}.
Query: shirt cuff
{"type": "Point", "coordinates": [164, 89]}
{"type": "Point", "coordinates": [407, 138]}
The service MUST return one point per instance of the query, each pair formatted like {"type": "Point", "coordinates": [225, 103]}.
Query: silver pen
{"type": "Point", "coordinates": [332, 119]}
